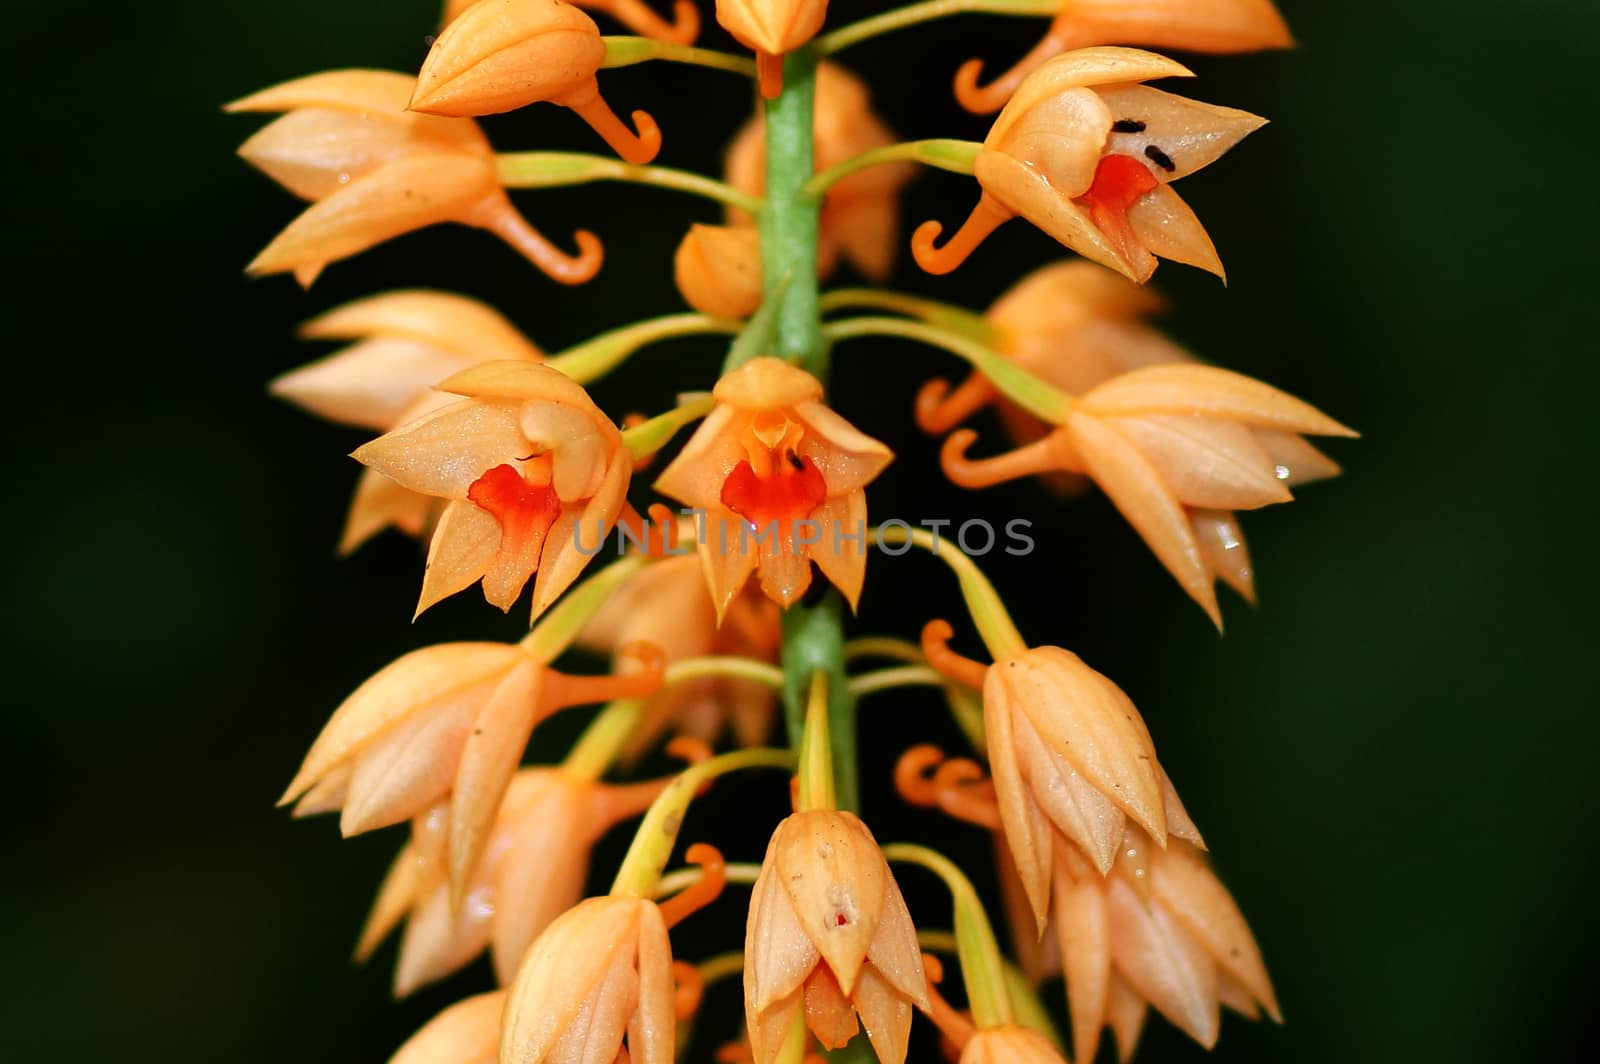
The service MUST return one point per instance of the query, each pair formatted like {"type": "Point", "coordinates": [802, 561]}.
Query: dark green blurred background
{"type": "Point", "coordinates": [1392, 758]}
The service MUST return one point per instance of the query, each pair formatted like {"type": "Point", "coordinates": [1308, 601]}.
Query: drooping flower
{"type": "Point", "coordinates": [499, 55]}
{"type": "Point", "coordinates": [860, 214]}
{"type": "Point", "coordinates": [1010, 1045]}
{"type": "Point", "coordinates": [374, 170]}
{"type": "Point", "coordinates": [829, 936]}
{"type": "Point", "coordinates": [1087, 153]}
{"type": "Point", "coordinates": [1177, 448]}
{"type": "Point", "coordinates": [533, 868]}
{"type": "Point", "coordinates": [600, 975]}
{"type": "Point", "coordinates": [535, 475]}
{"type": "Point", "coordinates": [780, 481]}
{"type": "Point", "coordinates": [634, 14]}
{"type": "Point", "coordinates": [1071, 759]}
{"type": "Point", "coordinates": [1217, 26]}
{"type": "Point", "coordinates": [771, 28]}
{"type": "Point", "coordinates": [467, 1032]}
{"type": "Point", "coordinates": [718, 270]}
{"type": "Point", "coordinates": [405, 343]}
{"type": "Point", "coordinates": [447, 721]}
{"type": "Point", "coordinates": [1159, 930]}
{"type": "Point", "coordinates": [667, 605]}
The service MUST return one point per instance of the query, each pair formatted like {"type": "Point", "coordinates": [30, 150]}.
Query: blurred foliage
{"type": "Point", "coordinates": [1392, 758]}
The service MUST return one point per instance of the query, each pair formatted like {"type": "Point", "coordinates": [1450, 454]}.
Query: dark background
{"type": "Point", "coordinates": [1392, 758]}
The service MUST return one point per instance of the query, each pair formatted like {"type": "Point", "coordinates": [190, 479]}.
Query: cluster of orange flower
{"type": "Point", "coordinates": [496, 453]}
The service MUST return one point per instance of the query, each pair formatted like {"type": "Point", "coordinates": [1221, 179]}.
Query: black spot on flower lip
{"type": "Point", "coordinates": [1128, 125]}
{"type": "Point", "coordinates": [1160, 158]}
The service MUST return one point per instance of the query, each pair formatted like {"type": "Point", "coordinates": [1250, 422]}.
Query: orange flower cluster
{"type": "Point", "coordinates": [505, 460]}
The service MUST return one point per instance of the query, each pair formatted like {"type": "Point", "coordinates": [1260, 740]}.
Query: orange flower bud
{"type": "Point", "coordinates": [770, 28]}
{"type": "Point", "coordinates": [499, 55]}
{"type": "Point", "coordinates": [718, 270]}
{"type": "Point", "coordinates": [1071, 759]}
{"type": "Point", "coordinates": [1218, 26]}
{"type": "Point", "coordinates": [830, 933]}
{"type": "Point", "coordinates": [405, 343]}
{"type": "Point", "coordinates": [528, 464]}
{"type": "Point", "coordinates": [667, 605]}
{"type": "Point", "coordinates": [1159, 930]}
{"type": "Point", "coordinates": [861, 214]}
{"type": "Point", "coordinates": [375, 170]}
{"type": "Point", "coordinates": [1086, 153]}
{"type": "Point", "coordinates": [1010, 1045]}
{"type": "Point", "coordinates": [601, 972]}
{"type": "Point", "coordinates": [780, 479]}
{"type": "Point", "coordinates": [634, 14]}
{"type": "Point", "coordinates": [467, 1032]}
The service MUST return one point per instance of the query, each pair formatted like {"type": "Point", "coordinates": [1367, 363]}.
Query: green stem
{"type": "Point", "coordinates": [683, 878]}
{"type": "Point", "coordinates": [988, 612]}
{"type": "Point", "coordinates": [604, 739]}
{"type": "Point", "coordinates": [1034, 395]}
{"type": "Point", "coordinates": [957, 156]}
{"type": "Point", "coordinates": [624, 51]}
{"type": "Point", "coordinates": [551, 169]}
{"type": "Point", "coordinates": [883, 646]}
{"type": "Point", "coordinates": [982, 968]}
{"type": "Point", "coordinates": [929, 10]}
{"type": "Point", "coordinates": [816, 751]}
{"type": "Point", "coordinates": [887, 679]}
{"type": "Point", "coordinates": [813, 642]}
{"type": "Point", "coordinates": [649, 437]}
{"type": "Point", "coordinates": [973, 326]}
{"type": "Point", "coordinates": [727, 668]}
{"type": "Point", "coordinates": [790, 220]}
{"type": "Point", "coordinates": [596, 357]}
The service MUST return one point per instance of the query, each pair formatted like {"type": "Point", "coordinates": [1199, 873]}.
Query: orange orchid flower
{"type": "Point", "coordinates": [374, 170]}
{"type": "Point", "coordinates": [1216, 26]}
{"type": "Point", "coordinates": [530, 467]}
{"type": "Point", "coordinates": [634, 14]}
{"type": "Point", "coordinates": [718, 270]}
{"type": "Point", "coordinates": [861, 213]}
{"type": "Point", "coordinates": [780, 479]}
{"type": "Point", "coordinates": [829, 937]}
{"type": "Point", "coordinates": [666, 604]}
{"type": "Point", "coordinates": [405, 343]}
{"type": "Point", "coordinates": [533, 868]}
{"type": "Point", "coordinates": [467, 1032]}
{"type": "Point", "coordinates": [1160, 930]}
{"type": "Point", "coordinates": [447, 721]}
{"type": "Point", "coordinates": [599, 975]}
{"type": "Point", "coordinates": [499, 55]}
{"type": "Point", "coordinates": [1087, 153]}
{"type": "Point", "coordinates": [771, 28]}
{"type": "Point", "coordinates": [1177, 448]}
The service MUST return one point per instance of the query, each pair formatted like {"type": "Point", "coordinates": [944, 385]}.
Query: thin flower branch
{"type": "Point", "coordinates": [646, 438]}
{"type": "Point", "coordinates": [594, 358]}
{"type": "Point", "coordinates": [988, 612]}
{"type": "Point", "coordinates": [727, 668]}
{"type": "Point", "coordinates": [623, 51]}
{"type": "Point", "coordinates": [883, 646]}
{"type": "Point", "coordinates": [957, 156]}
{"type": "Point", "coordinates": [681, 878]}
{"type": "Point", "coordinates": [553, 169]}
{"type": "Point", "coordinates": [929, 11]}
{"type": "Point", "coordinates": [888, 679]}
{"type": "Point", "coordinates": [973, 326]}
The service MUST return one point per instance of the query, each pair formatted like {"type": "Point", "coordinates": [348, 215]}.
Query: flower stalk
{"type": "Point", "coordinates": [554, 169]}
{"type": "Point", "coordinates": [622, 51]}
{"type": "Point", "coordinates": [956, 156]}
{"type": "Point", "coordinates": [928, 11]}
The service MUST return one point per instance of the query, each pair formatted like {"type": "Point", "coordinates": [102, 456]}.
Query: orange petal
{"type": "Point", "coordinates": [836, 878]}
{"type": "Point", "coordinates": [1163, 963]}
{"type": "Point", "coordinates": [464, 544]}
{"type": "Point", "coordinates": [1186, 886]}
{"type": "Point", "coordinates": [1027, 833]}
{"type": "Point", "coordinates": [1083, 68]}
{"type": "Point", "coordinates": [842, 560]}
{"type": "Point", "coordinates": [1083, 930]}
{"type": "Point", "coordinates": [652, 1035]}
{"type": "Point", "coordinates": [1297, 462]}
{"type": "Point", "coordinates": [886, 1015]}
{"type": "Point", "coordinates": [847, 458]}
{"type": "Point", "coordinates": [1205, 462]}
{"type": "Point", "coordinates": [1222, 544]}
{"type": "Point", "coordinates": [498, 57]}
{"type": "Point", "coordinates": [563, 561]}
{"type": "Point", "coordinates": [370, 384]}
{"type": "Point", "coordinates": [467, 1032]}
{"type": "Point", "coordinates": [406, 769]}
{"type": "Point", "coordinates": [1079, 811]}
{"type": "Point", "coordinates": [395, 898]}
{"type": "Point", "coordinates": [443, 453]}
{"type": "Point", "coordinates": [493, 750]}
{"type": "Point", "coordinates": [1126, 1017]}
{"type": "Point", "coordinates": [561, 973]}
{"type": "Point", "coordinates": [1168, 229]}
{"type": "Point", "coordinates": [1062, 136]}
{"type": "Point", "coordinates": [779, 955]}
{"type": "Point", "coordinates": [1186, 133]}
{"type": "Point", "coordinates": [1220, 26]}
{"type": "Point", "coordinates": [315, 151]}
{"type": "Point", "coordinates": [467, 327]}
{"type": "Point", "coordinates": [441, 939]}
{"type": "Point", "coordinates": [1026, 192]}
{"type": "Point", "coordinates": [1207, 390]}
{"type": "Point", "coordinates": [543, 871]}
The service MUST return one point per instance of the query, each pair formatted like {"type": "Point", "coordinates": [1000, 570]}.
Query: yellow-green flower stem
{"type": "Point", "coordinates": [982, 968]}
{"type": "Point", "coordinates": [624, 51]}
{"type": "Point", "coordinates": [563, 621]}
{"type": "Point", "coordinates": [960, 320]}
{"type": "Point", "coordinates": [1024, 999]}
{"type": "Point", "coordinates": [681, 878]}
{"type": "Point", "coordinates": [1017, 384]}
{"type": "Point", "coordinates": [988, 613]}
{"type": "Point", "coordinates": [928, 11]}
{"type": "Point", "coordinates": [602, 741]}
{"type": "Point", "coordinates": [594, 358]}
{"type": "Point", "coordinates": [793, 1050]}
{"type": "Point", "coordinates": [658, 832]}
{"type": "Point", "coordinates": [887, 679]}
{"type": "Point", "coordinates": [726, 668]}
{"type": "Point", "coordinates": [816, 750]}
{"type": "Point", "coordinates": [957, 156]}
{"type": "Point", "coordinates": [552, 169]}
{"type": "Point", "coordinates": [883, 646]}
{"type": "Point", "coordinates": [722, 966]}
{"type": "Point", "coordinates": [648, 438]}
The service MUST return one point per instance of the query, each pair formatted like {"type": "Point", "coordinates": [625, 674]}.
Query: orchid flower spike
{"type": "Point", "coordinates": [829, 938]}
{"type": "Point", "coordinates": [374, 170]}
{"type": "Point", "coordinates": [1087, 153]}
{"type": "Point", "coordinates": [499, 55]}
{"type": "Point", "coordinates": [860, 220]}
{"type": "Point", "coordinates": [780, 481]}
{"type": "Point", "coordinates": [403, 344]}
{"type": "Point", "coordinates": [1216, 26]}
{"type": "Point", "coordinates": [533, 474]}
